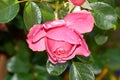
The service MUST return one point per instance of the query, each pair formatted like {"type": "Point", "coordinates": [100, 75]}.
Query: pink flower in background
{"type": "Point", "coordinates": [3, 27]}
{"type": "Point", "coordinates": [77, 2]}
{"type": "Point", "coordinates": [62, 39]}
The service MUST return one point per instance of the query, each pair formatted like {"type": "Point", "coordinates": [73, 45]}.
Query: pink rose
{"type": "Point", "coordinates": [77, 2]}
{"type": "Point", "coordinates": [62, 38]}
{"type": "Point", "coordinates": [63, 44]}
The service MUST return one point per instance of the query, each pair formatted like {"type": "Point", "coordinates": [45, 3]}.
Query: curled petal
{"type": "Point", "coordinates": [81, 22]}
{"type": "Point", "coordinates": [35, 38]}
{"type": "Point", "coordinates": [82, 49]}
{"type": "Point", "coordinates": [37, 46]}
{"type": "Point", "coordinates": [77, 2]}
{"type": "Point", "coordinates": [53, 24]}
{"type": "Point", "coordinates": [63, 34]}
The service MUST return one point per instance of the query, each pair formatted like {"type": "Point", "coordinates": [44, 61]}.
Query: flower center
{"type": "Point", "coordinates": [60, 51]}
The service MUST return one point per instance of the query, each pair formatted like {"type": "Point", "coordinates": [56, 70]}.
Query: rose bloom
{"type": "Point", "coordinates": [62, 39]}
{"type": "Point", "coordinates": [77, 2]}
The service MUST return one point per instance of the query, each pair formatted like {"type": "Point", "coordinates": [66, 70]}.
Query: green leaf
{"type": "Point", "coordinates": [32, 14]}
{"type": "Point", "coordinates": [104, 14]}
{"type": "Point", "coordinates": [22, 76]}
{"type": "Point", "coordinates": [80, 71]}
{"type": "Point", "coordinates": [17, 65]}
{"type": "Point", "coordinates": [56, 69]}
{"type": "Point", "coordinates": [90, 63]}
{"type": "Point", "coordinates": [8, 10]}
{"type": "Point", "coordinates": [101, 39]}
{"type": "Point", "coordinates": [47, 12]}
{"type": "Point", "coordinates": [94, 68]}
{"type": "Point", "coordinates": [85, 59]}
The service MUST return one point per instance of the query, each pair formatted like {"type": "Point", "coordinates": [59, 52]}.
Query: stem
{"type": "Point", "coordinates": [102, 74]}
{"type": "Point", "coordinates": [56, 10]}
{"type": "Point", "coordinates": [56, 14]}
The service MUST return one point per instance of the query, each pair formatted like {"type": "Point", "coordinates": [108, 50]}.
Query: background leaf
{"type": "Point", "coordinates": [32, 14]}
{"type": "Point", "coordinates": [40, 72]}
{"type": "Point", "coordinates": [22, 77]}
{"type": "Point", "coordinates": [17, 65]}
{"type": "Point", "coordinates": [8, 10]}
{"type": "Point", "coordinates": [104, 14]}
{"type": "Point", "coordinates": [111, 58]}
{"type": "Point", "coordinates": [101, 39]}
{"type": "Point", "coordinates": [118, 11]}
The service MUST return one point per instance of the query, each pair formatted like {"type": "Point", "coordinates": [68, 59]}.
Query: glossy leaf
{"type": "Point", "coordinates": [47, 12]}
{"type": "Point", "coordinates": [8, 10]}
{"type": "Point", "coordinates": [80, 71]}
{"type": "Point", "coordinates": [104, 15]}
{"type": "Point", "coordinates": [85, 59]}
{"type": "Point", "coordinates": [22, 76]}
{"type": "Point", "coordinates": [32, 14]}
{"type": "Point", "coordinates": [56, 69]}
{"type": "Point", "coordinates": [101, 39]}
{"type": "Point", "coordinates": [94, 68]}
{"type": "Point", "coordinates": [17, 65]}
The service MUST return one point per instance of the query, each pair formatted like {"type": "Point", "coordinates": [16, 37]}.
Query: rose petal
{"type": "Point", "coordinates": [35, 38]}
{"type": "Point", "coordinates": [63, 34]}
{"type": "Point", "coordinates": [82, 49]}
{"type": "Point", "coordinates": [37, 46]}
{"type": "Point", "coordinates": [77, 2]}
{"type": "Point", "coordinates": [53, 24]}
{"type": "Point", "coordinates": [53, 45]}
{"type": "Point", "coordinates": [41, 33]}
{"type": "Point", "coordinates": [81, 22]}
